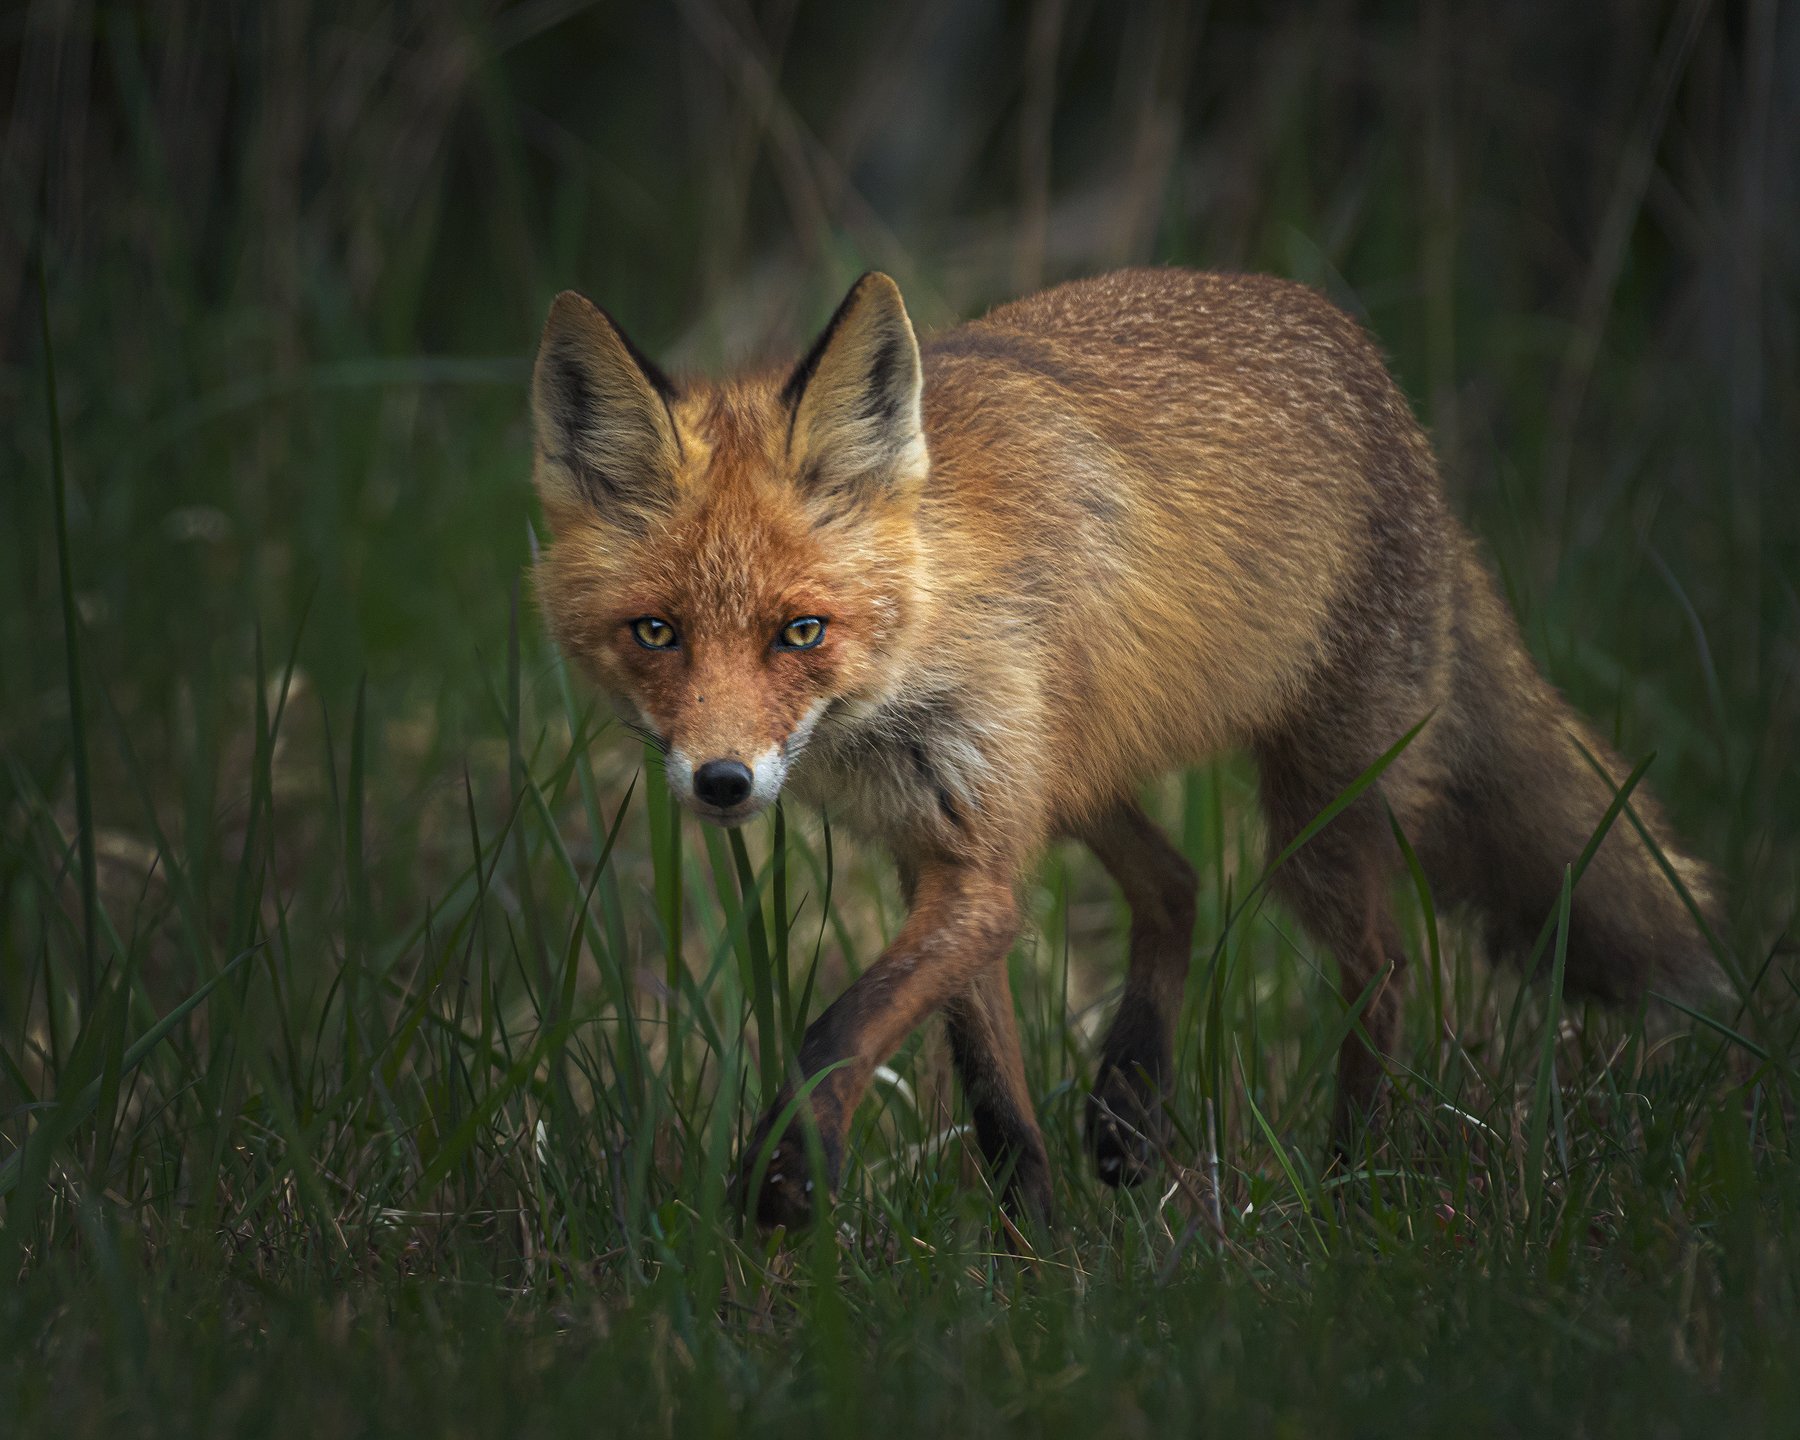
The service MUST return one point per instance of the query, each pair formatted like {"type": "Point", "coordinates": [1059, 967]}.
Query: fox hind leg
{"type": "Point", "coordinates": [1338, 885]}
{"type": "Point", "coordinates": [984, 1041]}
{"type": "Point", "coordinates": [1125, 1123]}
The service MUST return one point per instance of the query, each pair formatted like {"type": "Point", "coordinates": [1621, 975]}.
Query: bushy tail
{"type": "Point", "coordinates": [1523, 801]}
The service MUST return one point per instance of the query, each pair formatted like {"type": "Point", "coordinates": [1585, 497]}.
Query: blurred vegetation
{"type": "Point", "coordinates": [476, 1029]}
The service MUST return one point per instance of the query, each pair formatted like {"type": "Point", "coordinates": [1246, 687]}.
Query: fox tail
{"type": "Point", "coordinates": [1522, 800]}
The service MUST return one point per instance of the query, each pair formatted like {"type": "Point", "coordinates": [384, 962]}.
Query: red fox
{"type": "Point", "coordinates": [972, 594]}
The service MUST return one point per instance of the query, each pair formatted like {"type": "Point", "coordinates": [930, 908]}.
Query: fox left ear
{"type": "Point", "coordinates": [606, 437]}
{"type": "Point", "coordinates": [854, 401]}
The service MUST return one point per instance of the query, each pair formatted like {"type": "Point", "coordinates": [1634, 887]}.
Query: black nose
{"type": "Point", "coordinates": [722, 782]}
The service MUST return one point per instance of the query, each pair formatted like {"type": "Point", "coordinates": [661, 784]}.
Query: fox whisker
{"type": "Point", "coordinates": [648, 736]}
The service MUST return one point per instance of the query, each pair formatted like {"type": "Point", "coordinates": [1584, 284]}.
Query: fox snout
{"type": "Point", "coordinates": [715, 775]}
{"type": "Point", "coordinates": [723, 788]}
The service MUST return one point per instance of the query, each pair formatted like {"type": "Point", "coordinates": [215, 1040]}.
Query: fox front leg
{"type": "Point", "coordinates": [962, 921]}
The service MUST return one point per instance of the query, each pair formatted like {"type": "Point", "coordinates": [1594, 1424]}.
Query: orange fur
{"type": "Point", "coordinates": [1104, 531]}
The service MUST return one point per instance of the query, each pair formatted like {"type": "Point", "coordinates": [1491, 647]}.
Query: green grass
{"type": "Point", "coordinates": [377, 1038]}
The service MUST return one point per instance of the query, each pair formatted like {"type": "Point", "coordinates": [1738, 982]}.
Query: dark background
{"type": "Point", "coordinates": [297, 253]}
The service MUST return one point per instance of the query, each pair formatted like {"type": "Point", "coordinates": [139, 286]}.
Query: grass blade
{"type": "Point", "coordinates": [71, 624]}
{"type": "Point", "coordinates": [1536, 1144]}
{"type": "Point", "coordinates": [70, 1112]}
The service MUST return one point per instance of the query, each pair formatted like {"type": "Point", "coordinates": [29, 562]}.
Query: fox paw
{"type": "Point", "coordinates": [1126, 1129]}
{"type": "Point", "coordinates": [784, 1199]}
{"type": "Point", "coordinates": [786, 1194]}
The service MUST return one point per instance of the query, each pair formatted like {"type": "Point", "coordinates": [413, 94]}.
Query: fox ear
{"type": "Point", "coordinates": [605, 434]}
{"type": "Point", "coordinates": [853, 402]}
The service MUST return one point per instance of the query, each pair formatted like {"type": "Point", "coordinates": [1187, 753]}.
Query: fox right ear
{"type": "Point", "coordinates": [605, 432]}
{"type": "Point", "coordinates": [854, 401]}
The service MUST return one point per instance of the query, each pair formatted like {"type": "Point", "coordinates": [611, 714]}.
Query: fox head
{"type": "Point", "coordinates": [732, 562]}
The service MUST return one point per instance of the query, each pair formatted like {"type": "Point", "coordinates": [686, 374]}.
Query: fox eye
{"type": "Point", "coordinates": [653, 634]}
{"type": "Point", "coordinates": [801, 634]}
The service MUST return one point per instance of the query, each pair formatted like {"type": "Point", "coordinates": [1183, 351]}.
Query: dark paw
{"type": "Point", "coordinates": [1024, 1172]}
{"type": "Point", "coordinates": [1126, 1128]}
{"type": "Point", "coordinates": [785, 1198]}
{"type": "Point", "coordinates": [1029, 1198]}
{"type": "Point", "coordinates": [786, 1192]}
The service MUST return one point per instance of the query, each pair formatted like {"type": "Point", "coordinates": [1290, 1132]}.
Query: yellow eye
{"type": "Point", "coordinates": [802, 634]}
{"type": "Point", "coordinates": [653, 634]}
